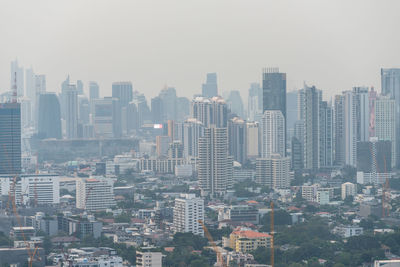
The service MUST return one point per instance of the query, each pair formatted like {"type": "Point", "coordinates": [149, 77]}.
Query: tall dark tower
{"type": "Point", "coordinates": [49, 116]}
{"type": "Point", "coordinates": [274, 90]}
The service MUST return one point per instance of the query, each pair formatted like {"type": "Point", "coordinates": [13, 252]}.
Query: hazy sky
{"type": "Point", "coordinates": [334, 44]}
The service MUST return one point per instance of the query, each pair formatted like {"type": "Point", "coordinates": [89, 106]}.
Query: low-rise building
{"type": "Point", "coordinates": [148, 259]}
{"type": "Point", "coordinates": [348, 231]}
{"type": "Point", "coordinates": [245, 240]}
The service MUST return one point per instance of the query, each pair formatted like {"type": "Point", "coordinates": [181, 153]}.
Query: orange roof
{"type": "Point", "coordinates": [252, 202]}
{"type": "Point", "coordinates": [250, 234]}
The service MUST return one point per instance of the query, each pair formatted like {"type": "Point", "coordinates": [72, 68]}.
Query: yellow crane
{"type": "Point", "coordinates": [272, 235]}
{"type": "Point", "coordinates": [220, 259]}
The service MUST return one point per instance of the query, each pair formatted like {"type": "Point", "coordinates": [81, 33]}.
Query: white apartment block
{"type": "Point", "coordinates": [94, 194]}
{"type": "Point", "coordinates": [148, 259]}
{"type": "Point", "coordinates": [273, 133]}
{"type": "Point", "coordinates": [348, 189]}
{"type": "Point", "coordinates": [188, 211]}
{"type": "Point", "coordinates": [273, 171]}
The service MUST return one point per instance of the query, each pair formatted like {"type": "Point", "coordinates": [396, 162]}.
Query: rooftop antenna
{"type": "Point", "coordinates": [14, 89]}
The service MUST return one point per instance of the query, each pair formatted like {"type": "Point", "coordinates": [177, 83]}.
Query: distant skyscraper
{"type": "Point", "coordinates": [274, 90]}
{"type": "Point", "coordinates": [254, 104]}
{"type": "Point", "coordinates": [183, 109]}
{"type": "Point", "coordinates": [390, 82]}
{"type": "Point", "coordinates": [214, 165]}
{"type": "Point", "coordinates": [19, 71]}
{"type": "Point", "coordinates": [237, 139]}
{"type": "Point", "coordinates": [374, 156]}
{"type": "Point", "coordinates": [297, 154]}
{"type": "Point", "coordinates": [144, 114]}
{"type": "Point", "coordinates": [253, 139]}
{"type": "Point", "coordinates": [94, 90]}
{"type": "Point", "coordinates": [372, 97]}
{"type": "Point", "coordinates": [10, 138]}
{"type": "Point", "coordinates": [49, 122]}
{"type": "Point", "coordinates": [272, 133]}
{"type": "Point", "coordinates": [363, 113]}
{"type": "Point", "coordinates": [157, 113]}
{"type": "Point", "coordinates": [326, 135]}
{"type": "Point", "coordinates": [385, 123]}
{"type": "Point", "coordinates": [30, 84]}
{"type": "Point", "coordinates": [339, 131]}
{"type": "Point", "coordinates": [162, 145]}
{"type": "Point", "coordinates": [71, 112]}
{"type": "Point", "coordinates": [107, 117]}
{"type": "Point", "coordinates": [123, 91]}
{"type": "Point", "coordinates": [350, 128]}
{"type": "Point", "coordinates": [235, 103]}
{"type": "Point", "coordinates": [193, 129]}
{"type": "Point", "coordinates": [210, 88]}
{"type": "Point", "coordinates": [79, 87]}
{"type": "Point", "coordinates": [291, 112]}
{"type": "Point", "coordinates": [169, 103]}
{"type": "Point", "coordinates": [212, 111]}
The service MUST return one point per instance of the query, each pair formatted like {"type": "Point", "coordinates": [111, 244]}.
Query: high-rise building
{"type": "Point", "coordinates": [237, 139]}
{"type": "Point", "coordinates": [326, 135]}
{"type": "Point", "coordinates": [372, 97]}
{"type": "Point", "coordinates": [213, 161]}
{"type": "Point", "coordinates": [17, 74]}
{"type": "Point", "coordinates": [339, 158]}
{"type": "Point", "coordinates": [374, 156]}
{"type": "Point", "coordinates": [211, 111]}
{"type": "Point", "coordinates": [123, 91]}
{"type": "Point", "coordinates": [10, 138]}
{"type": "Point", "coordinates": [297, 154]}
{"type": "Point", "coordinates": [49, 120]}
{"type": "Point", "coordinates": [71, 112]}
{"type": "Point", "coordinates": [143, 111]}
{"type": "Point", "coordinates": [253, 139]}
{"type": "Point", "coordinates": [94, 194]}
{"type": "Point", "coordinates": [235, 103]}
{"type": "Point", "coordinates": [188, 210]}
{"type": "Point", "coordinates": [350, 127]}
{"type": "Point", "coordinates": [169, 103]}
{"type": "Point", "coordinates": [30, 84]}
{"type": "Point", "coordinates": [385, 123]}
{"type": "Point", "coordinates": [157, 114]}
{"type": "Point", "coordinates": [183, 109]}
{"type": "Point", "coordinates": [254, 103]}
{"type": "Point", "coordinates": [309, 114]}
{"type": "Point", "coordinates": [273, 171]}
{"type": "Point", "coordinates": [291, 111]}
{"type": "Point", "coordinates": [363, 112]}
{"type": "Point", "coordinates": [272, 133]}
{"type": "Point", "coordinates": [274, 90]}
{"type": "Point", "coordinates": [162, 145]}
{"type": "Point", "coordinates": [348, 189]}
{"type": "Point", "coordinates": [210, 88]}
{"type": "Point", "coordinates": [94, 90]}
{"type": "Point", "coordinates": [107, 117]}
{"type": "Point", "coordinates": [192, 130]}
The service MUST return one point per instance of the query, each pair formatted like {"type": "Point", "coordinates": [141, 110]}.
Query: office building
{"type": "Point", "coordinates": [272, 134]}
{"type": "Point", "coordinates": [107, 117]}
{"type": "Point", "coordinates": [169, 103]}
{"type": "Point", "coordinates": [309, 114]}
{"type": "Point", "coordinates": [348, 189]}
{"type": "Point", "coordinates": [183, 109]}
{"type": "Point", "coordinates": [235, 103]}
{"type": "Point", "coordinates": [385, 124]}
{"type": "Point", "coordinates": [253, 139]}
{"type": "Point", "coordinates": [188, 210]}
{"type": "Point", "coordinates": [274, 90]}
{"type": "Point", "coordinates": [10, 138]}
{"type": "Point", "coordinates": [193, 129]}
{"type": "Point", "coordinates": [49, 122]}
{"type": "Point", "coordinates": [123, 91]}
{"type": "Point", "coordinates": [213, 111]}
{"type": "Point", "coordinates": [213, 164]}
{"type": "Point", "coordinates": [94, 90]}
{"type": "Point", "coordinates": [157, 114]}
{"type": "Point", "coordinates": [254, 103]}
{"type": "Point", "coordinates": [273, 171]}
{"type": "Point", "coordinates": [210, 88]}
{"type": "Point", "coordinates": [237, 139]}
{"type": "Point", "coordinates": [94, 194]}
{"type": "Point", "coordinates": [17, 75]}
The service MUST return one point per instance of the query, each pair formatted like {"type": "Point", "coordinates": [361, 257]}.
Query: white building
{"type": "Point", "coordinates": [387, 263]}
{"type": "Point", "coordinates": [373, 178]}
{"type": "Point", "coordinates": [309, 192]}
{"type": "Point", "coordinates": [34, 189]}
{"type": "Point", "coordinates": [148, 259]}
{"type": "Point", "coordinates": [94, 194]}
{"type": "Point", "coordinates": [348, 231]}
{"type": "Point", "coordinates": [385, 122]}
{"type": "Point", "coordinates": [350, 128]}
{"type": "Point", "coordinates": [348, 189]}
{"type": "Point", "coordinates": [253, 136]}
{"type": "Point", "coordinates": [273, 133]}
{"type": "Point", "coordinates": [323, 197]}
{"type": "Point", "coordinates": [188, 211]}
{"type": "Point", "coordinates": [193, 129]}
{"type": "Point", "coordinates": [102, 261]}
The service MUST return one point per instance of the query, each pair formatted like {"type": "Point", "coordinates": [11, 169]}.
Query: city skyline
{"type": "Point", "coordinates": [162, 46]}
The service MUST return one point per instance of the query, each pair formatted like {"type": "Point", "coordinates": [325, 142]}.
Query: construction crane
{"type": "Point", "coordinates": [272, 235]}
{"type": "Point", "coordinates": [220, 259]}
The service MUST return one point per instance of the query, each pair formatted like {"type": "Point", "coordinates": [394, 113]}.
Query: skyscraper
{"type": "Point", "coordinates": [193, 129]}
{"type": "Point", "coordinates": [350, 127]}
{"type": "Point", "coordinates": [107, 117]}
{"type": "Point", "coordinates": [274, 90]}
{"type": "Point", "coordinates": [94, 90]}
{"type": "Point", "coordinates": [339, 158]}
{"type": "Point", "coordinates": [157, 113]}
{"type": "Point", "coordinates": [253, 139]}
{"type": "Point", "coordinates": [169, 103]}
{"type": "Point", "coordinates": [210, 88]}
{"type": "Point", "coordinates": [363, 113]}
{"type": "Point", "coordinates": [254, 104]}
{"type": "Point", "coordinates": [326, 135]}
{"type": "Point", "coordinates": [71, 112]}
{"type": "Point", "coordinates": [309, 114]}
{"type": "Point", "coordinates": [237, 139]}
{"type": "Point", "coordinates": [17, 73]}
{"type": "Point", "coordinates": [385, 123]}
{"type": "Point", "coordinates": [183, 109]}
{"type": "Point", "coordinates": [213, 163]}
{"type": "Point", "coordinates": [272, 133]}
{"type": "Point", "coordinates": [122, 91]}
{"type": "Point", "coordinates": [213, 111]}
{"type": "Point", "coordinates": [49, 120]}
{"type": "Point", "coordinates": [273, 171]}
{"type": "Point", "coordinates": [10, 138]}
{"type": "Point", "coordinates": [188, 210]}
{"type": "Point", "coordinates": [235, 103]}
